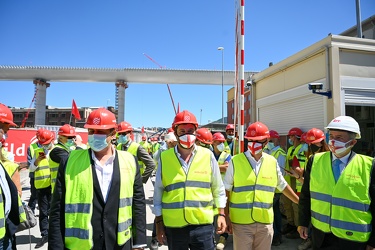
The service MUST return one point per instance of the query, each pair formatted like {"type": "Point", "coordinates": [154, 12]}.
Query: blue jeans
{"type": "Point", "coordinates": [277, 223]}
{"type": "Point", "coordinates": [199, 237]}
{"type": "Point", "coordinates": [5, 243]}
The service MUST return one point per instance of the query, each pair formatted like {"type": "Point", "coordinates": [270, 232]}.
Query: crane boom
{"type": "Point", "coordinates": [169, 89]}
{"type": "Point", "coordinates": [28, 111]}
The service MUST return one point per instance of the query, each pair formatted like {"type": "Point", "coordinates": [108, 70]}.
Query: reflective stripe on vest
{"type": "Point", "coordinates": [289, 158]}
{"type": "Point", "coordinates": [302, 159]}
{"type": "Point", "coordinates": [54, 166]}
{"type": "Point", "coordinates": [251, 198]}
{"type": "Point", "coordinates": [79, 196]}
{"type": "Point", "coordinates": [276, 154]}
{"type": "Point", "coordinates": [187, 199]}
{"type": "Point", "coordinates": [343, 207]}
{"type": "Point", "coordinates": [42, 172]}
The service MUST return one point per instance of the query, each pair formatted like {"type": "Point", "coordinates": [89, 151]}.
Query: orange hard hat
{"type": "Point", "coordinates": [274, 134]}
{"type": "Point", "coordinates": [257, 131]}
{"type": "Point", "coordinates": [204, 135]}
{"type": "Point", "coordinates": [6, 115]}
{"type": "Point", "coordinates": [184, 117]}
{"type": "Point", "coordinates": [124, 127]}
{"type": "Point", "coordinates": [303, 137]}
{"type": "Point", "coordinates": [67, 130]}
{"type": "Point", "coordinates": [46, 137]}
{"type": "Point", "coordinates": [229, 126]}
{"type": "Point", "coordinates": [218, 137]}
{"type": "Point", "coordinates": [295, 131]}
{"type": "Point", "coordinates": [314, 135]}
{"type": "Point", "coordinates": [101, 118]}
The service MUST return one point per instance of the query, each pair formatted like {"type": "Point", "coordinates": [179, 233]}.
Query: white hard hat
{"type": "Point", "coordinates": [346, 123]}
{"type": "Point", "coordinates": [170, 136]}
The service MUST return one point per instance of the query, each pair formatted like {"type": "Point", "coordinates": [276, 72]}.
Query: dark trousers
{"type": "Point", "coordinates": [200, 237]}
{"type": "Point", "coordinates": [33, 196]}
{"type": "Point", "coordinates": [44, 199]}
{"type": "Point", "coordinates": [331, 242]}
{"type": "Point", "coordinates": [277, 222]}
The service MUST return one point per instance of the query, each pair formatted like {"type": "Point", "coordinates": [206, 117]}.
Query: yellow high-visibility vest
{"type": "Point", "coordinates": [251, 199]}
{"type": "Point", "coordinates": [187, 198]}
{"type": "Point", "coordinates": [342, 208]}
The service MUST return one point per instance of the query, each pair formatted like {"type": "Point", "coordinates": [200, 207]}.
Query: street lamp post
{"type": "Point", "coordinates": [222, 83]}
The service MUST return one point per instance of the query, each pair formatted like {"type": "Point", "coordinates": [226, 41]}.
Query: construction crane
{"type": "Point", "coordinates": [28, 111]}
{"type": "Point", "coordinates": [169, 89]}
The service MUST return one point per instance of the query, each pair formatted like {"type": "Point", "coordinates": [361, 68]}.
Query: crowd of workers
{"type": "Point", "coordinates": [92, 197]}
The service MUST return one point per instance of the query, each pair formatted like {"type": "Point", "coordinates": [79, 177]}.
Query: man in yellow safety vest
{"type": "Point", "coordinates": [187, 186]}
{"type": "Point", "coordinates": [338, 192]}
{"type": "Point", "coordinates": [99, 200]}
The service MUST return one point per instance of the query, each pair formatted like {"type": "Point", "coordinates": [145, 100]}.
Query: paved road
{"type": "Point", "coordinates": [27, 241]}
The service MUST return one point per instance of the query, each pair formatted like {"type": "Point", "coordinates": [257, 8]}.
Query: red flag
{"type": "Point", "coordinates": [178, 108]}
{"type": "Point", "coordinates": [75, 111]}
{"type": "Point", "coordinates": [143, 130]}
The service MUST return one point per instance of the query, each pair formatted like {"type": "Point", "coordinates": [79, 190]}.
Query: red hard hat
{"type": "Point", "coordinates": [143, 138]}
{"type": "Point", "coordinates": [46, 137]}
{"type": "Point", "coordinates": [67, 130]}
{"type": "Point", "coordinates": [184, 117]}
{"type": "Point", "coordinates": [303, 137]}
{"type": "Point", "coordinates": [38, 132]}
{"type": "Point", "coordinates": [124, 127]}
{"type": "Point", "coordinates": [229, 126]}
{"type": "Point", "coordinates": [274, 134]}
{"type": "Point", "coordinates": [218, 137]}
{"type": "Point", "coordinates": [314, 135]}
{"type": "Point", "coordinates": [295, 131]}
{"type": "Point", "coordinates": [204, 135]}
{"type": "Point", "coordinates": [6, 115]}
{"type": "Point", "coordinates": [101, 119]}
{"type": "Point", "coordinates": [257, 131]}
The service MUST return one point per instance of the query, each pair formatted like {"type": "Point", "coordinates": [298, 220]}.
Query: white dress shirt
{"type": "Point", "coordinates": [104, 173]}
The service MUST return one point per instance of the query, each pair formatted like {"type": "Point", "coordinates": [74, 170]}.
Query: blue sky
{"type": "Point", "coordinates": [176, 34]}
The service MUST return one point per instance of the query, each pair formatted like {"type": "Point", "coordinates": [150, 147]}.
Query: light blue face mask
{"type": "Point", "coordinates": [123, 139]}
{"type": "Point", "coordinates": [270, 145]}
{"type": "Point", "coordinates": [231, 137]}
{"type": "Point", "coordinates": [97, 142]}
{"type": "Point", "coordinates": [304, 147]}
{"type": "Point", "coordinates": [290, 141]}
{"type": "Point", "coordinates": [69, 143]}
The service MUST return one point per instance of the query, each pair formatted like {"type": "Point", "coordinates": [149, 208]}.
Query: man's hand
{"type": "Point", "coordinates": [221, 225]}
{"type": "Point", "coordinates": [303, 232]}
{"type": "Point", "coordinates": [160, 232]}
{"type": "Point", "coordinates": [368, 247]}
{"type": "Point", "coordinates": [40, 157]}
{"type": "Point", "coordinates": [229, 225]}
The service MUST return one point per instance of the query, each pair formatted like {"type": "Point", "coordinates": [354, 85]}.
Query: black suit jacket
{"type": "Point", "coordinates": [304, 212]}
{"type": "Point", "coordinates": [104, 218]}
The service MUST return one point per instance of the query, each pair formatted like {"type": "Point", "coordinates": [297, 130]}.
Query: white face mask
{"type": "Point", "coordinates": [186, 140]}
{"type": "Point", "coordinates": [221, 147]}
{"type": "Point", "coordinates": [47, 147]}
{"type": "Point", "coordinates": [338, 148]}
{"type": "Point", "coordinates": [255, 147]}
